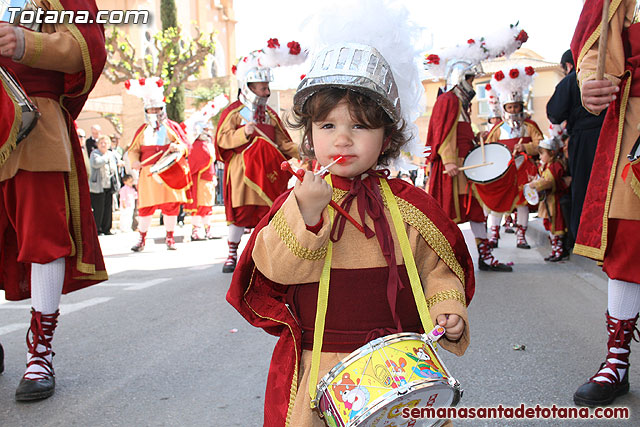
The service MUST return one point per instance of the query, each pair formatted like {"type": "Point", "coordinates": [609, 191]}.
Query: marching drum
{"type": "Point", "coordinates": [173, 170]}
{"type": "Point", "coordinates": [372, 385]}
{"type": "Point", "coordinates": [29, 112]}
{"type": "Point", "coordinates": [495, 183]}
{"type": "Point", "coordinates": [531, 195]}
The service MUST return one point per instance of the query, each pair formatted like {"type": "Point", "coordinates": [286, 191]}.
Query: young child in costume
{"type": "Point", "coordinates": [552, 171]}
{"type": "Point", "coordinates": [344, 110]}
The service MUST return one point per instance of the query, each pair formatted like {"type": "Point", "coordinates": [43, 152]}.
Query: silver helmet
{"type": "Point", "coordinates": [458, 70]}
{"type": "Point", "coordinates": [553, 144]}
{"type": "Point", "coordinates": [249, 98]}
{"type": "Point", "coordinates": [514, 120]}
{"type": "Point", "coordinates": [353, 66]}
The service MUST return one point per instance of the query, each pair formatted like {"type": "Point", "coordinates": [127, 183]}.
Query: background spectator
{"type": "Point", "coordinates": [92, 141]}
{"type": "Point", "coordinates": [103, 184]}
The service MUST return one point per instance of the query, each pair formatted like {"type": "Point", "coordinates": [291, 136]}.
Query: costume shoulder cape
{"type": "Point", "coordinates": [262, 302]}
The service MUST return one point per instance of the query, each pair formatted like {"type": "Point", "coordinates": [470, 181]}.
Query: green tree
{"type": "Point", "coordinates": [168, 15]}
{"type": "Point", "coordinates": [176, 60]}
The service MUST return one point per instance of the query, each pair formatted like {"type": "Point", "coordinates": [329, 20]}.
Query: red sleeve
{"type": "Point", "coordinates": [443, 117]}
{"type": "Point", "coordinates": [588, 23]}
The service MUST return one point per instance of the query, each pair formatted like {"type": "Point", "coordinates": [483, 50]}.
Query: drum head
{"type": "Point", "coordinates": [494, 153]}
{"type": "Point", "coordinates": [165, 161]}
{"type": "Point", "coordinates": [531, 195]}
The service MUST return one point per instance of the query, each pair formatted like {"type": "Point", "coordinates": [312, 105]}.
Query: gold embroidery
{"type": "Point", "coordinates": [430, 233]}
{"type": "Point", "coordinates": [444, 296]}
{"type": "Point", "coordinates": [279, 223]}
{"type": "Point", "coordinates": [32, 59]}
{"type": "Point", "coordinates": [338, 194]}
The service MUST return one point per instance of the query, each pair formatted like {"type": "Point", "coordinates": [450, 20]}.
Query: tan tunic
{"type": "Point", "coordinates": [531, 148]}
{"type": "Point", "coordinates": [150, 191]}
{"type": "Point", "coordinates": [353, 250]}
{"type": "Point", "coordinates": [47, 147]}
{"type": "Point", "coordinates": [231, 135]}
{"type": "Point", "coordinates": [624, 203]}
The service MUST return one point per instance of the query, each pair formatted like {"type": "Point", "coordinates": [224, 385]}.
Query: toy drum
{"type": "Point", "coordinates": [531, 195]}
{"type": "Point", "coordinates": [372, 385]}
{"type": "Point", "coordinates": [634, 164]}
{"type": "Point", "coordinates": [173, 170]}
{"type": "Point", "coordinates": [495, 183]}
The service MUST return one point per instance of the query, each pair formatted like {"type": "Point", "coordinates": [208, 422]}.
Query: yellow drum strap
{"type": "Point", "coordinates": [409, 261]}
{"type": "Point", "coordinates": [321, 312]}
{"type": "Point", "coordinates": [323, 288]}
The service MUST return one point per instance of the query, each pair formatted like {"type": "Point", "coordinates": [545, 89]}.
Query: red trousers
{"type": "Point", "coordinates": [623, 247]}
{"type": "Point", "coordinates": [168, 209]}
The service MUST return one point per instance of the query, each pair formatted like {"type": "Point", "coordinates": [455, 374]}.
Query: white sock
{"type": "Point", "coordinates": [206, 220]}
{"type": "Point", "coordinates": [46, 290]}
{"type": "Point", "coordinates": [623, 299]}
{"type": "Point", "coordinates": [235, 233]}
{"type": "Point", "coordinates": [144, 222]}
{"type": "Point", "coordinates": [523, 215]}
{"type": "Point", "coordinates": [493, 219]}
{"type": "Point", "coordinates": [479, 229]}
{"type": "Point", "coordinates": [196, 221]}
{"type": "Point", "coordinates": [46, 285]}
{"type": "Point", "coordinates": [170, 222]}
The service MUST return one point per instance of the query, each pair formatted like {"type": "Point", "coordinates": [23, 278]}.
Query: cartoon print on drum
{"type": "Point", "coordinates": [351, 395]}
{"type": "Point", "coordinates": [425, 368]}
{"type": "Point", "coordinates": [397, 370]}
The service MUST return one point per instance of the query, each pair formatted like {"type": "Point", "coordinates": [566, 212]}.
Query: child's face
{"type": "Point", "coordinates": [513, 108]}
{"type": "Point", "coordinates": [339, 135]}
{"type": "Point", "coordinates": [545, 156]}
{"type": "Point", "coordinates": [129, 182]}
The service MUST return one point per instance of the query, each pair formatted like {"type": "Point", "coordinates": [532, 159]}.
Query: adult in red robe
{"type": "Point", "coordinates": [610, 221]}
{"type": "Point", "coordinates": [42, 256]}
{"type": "Point", "coordinates": [451, 137]}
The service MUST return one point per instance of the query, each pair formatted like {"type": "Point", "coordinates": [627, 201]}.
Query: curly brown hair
{"type": "Point", "coordinates": [363, 110]}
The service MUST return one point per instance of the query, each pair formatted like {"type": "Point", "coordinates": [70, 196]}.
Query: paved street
{"type": "Point", "coordinates": [157, 345]}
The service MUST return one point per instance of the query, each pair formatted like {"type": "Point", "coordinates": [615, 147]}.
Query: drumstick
{"type": "Point", "coordinates": [286, 166]}
{"type": "Point", "coordinates": [482, 148]}
{"type": "Point", "coordinates": [515, 150]}
{"type": "Point", "coordinates": [602, 44]}
{"type": "Point", "coordinates": [326, 168]}
{"type": "Point", "coordinates": [151, 157]}
{"type": "Point", "coordinates": [464, 168]}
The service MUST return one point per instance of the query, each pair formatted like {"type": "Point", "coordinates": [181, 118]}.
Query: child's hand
{"type": "Point", "coordinates": [313, 195]}
{"type": "Point", "coordinates": [453, 324]}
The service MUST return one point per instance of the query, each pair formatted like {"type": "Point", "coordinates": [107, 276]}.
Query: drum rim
{"type": "Point", "coordinates": [494, 179]}
{"type": "Point", "coordinates": [153, 168]}
{"type": "Point", "coordinates": [635, 151]}
{"type": "Point", "coordinates": [392, 395]}
{"type": "Point", "coordinates": [525, 195]}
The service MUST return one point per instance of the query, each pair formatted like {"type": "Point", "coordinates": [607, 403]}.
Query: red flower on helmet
{"type": "Point", "coordinates": [433, 59]}
{"type": "Point", "coordinates": [499, 75]}
{"type": "Point", "coordinates": [529, 71]}
{"type": "Point", "coordinates": [488, 87]}
{"type": "Point", "coordinates": [141, 81]}
{"type": "Point", "coordinates": [234, 69]}
{"type": "Point", "coordinates": [522, 36]}
{"type": "Point", "coordinates": [471, 41]}
{"type": "Point", "coordinates": [127, 84]}
{"type": "Point", "coordinates": [302, 76]}
{"type": "Point", "coordinates": [160, 83]}
{"type": "Point", "coordinates": [294, 48]}
{"type": "Point", "coordinates": [273, 43]}
{"type": "Point", "coordinates": [514, 73]}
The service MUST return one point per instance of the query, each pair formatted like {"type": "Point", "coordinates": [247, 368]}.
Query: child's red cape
{"type": "Point", "coordinates": [262, 302]}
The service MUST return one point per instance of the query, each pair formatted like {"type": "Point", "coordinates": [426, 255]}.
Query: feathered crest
{"type": "Point", "coordinates": [510, 83]}
{"type": "Point", "coordinates": [151, 90]}
{"type": "Point", "coordinates": [271, 56]}
{"type": "Point", "coordinates": [501, 43]}
{"type": "Point", "coordinates": [197, 121]}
